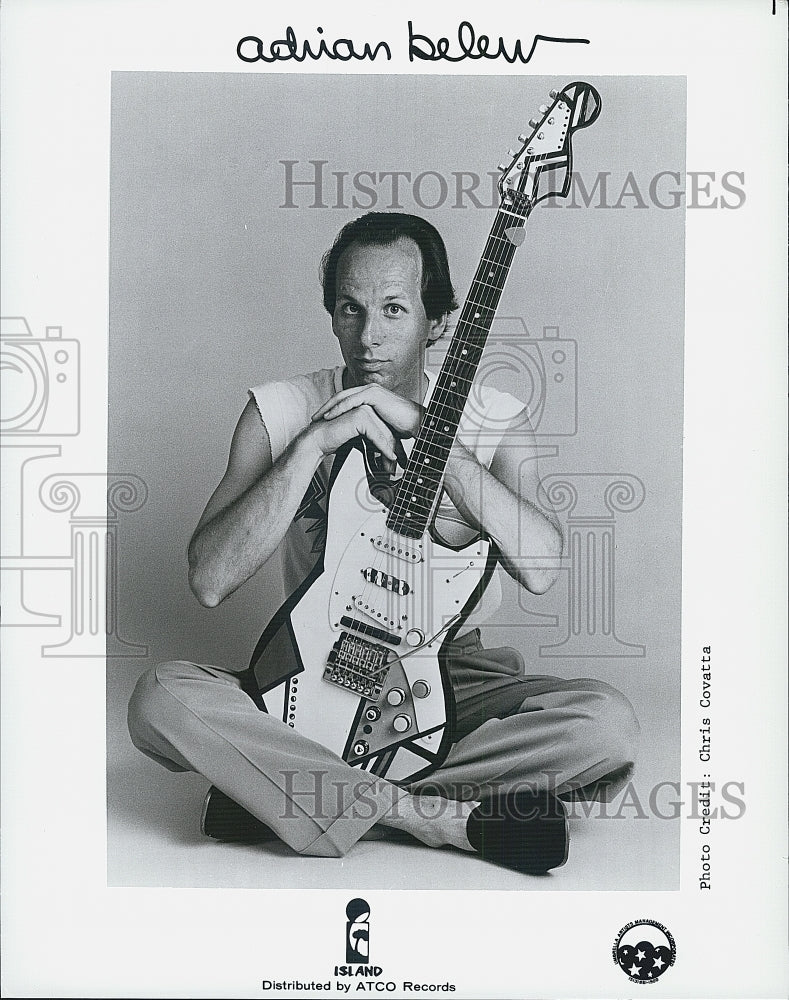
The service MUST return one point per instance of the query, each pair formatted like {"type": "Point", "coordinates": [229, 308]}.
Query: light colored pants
{"type": "Point", "coordinates": [575, 737]}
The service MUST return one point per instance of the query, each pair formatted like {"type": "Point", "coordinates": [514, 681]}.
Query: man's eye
{"type": "Point", "coordinates": [349, 309]}
{"type": "Point", "coordinates": [394, 309]}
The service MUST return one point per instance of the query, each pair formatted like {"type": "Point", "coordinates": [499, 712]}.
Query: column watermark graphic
{"type": "Point", "coordinates": [93, 503]}
{"type": "Point", "coordinates": [41, 403]}
{"type": "Point", "coordinates": [592, 501]}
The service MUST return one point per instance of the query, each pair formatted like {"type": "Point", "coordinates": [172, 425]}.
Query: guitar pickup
{"type": "Point", "coordinates": [381, 579]}
{"type": "Point", "coordinates": [397, 548]}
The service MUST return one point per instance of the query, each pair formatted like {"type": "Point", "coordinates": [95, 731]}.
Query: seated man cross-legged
{"type": "Point", "coordinates": [517, 745]}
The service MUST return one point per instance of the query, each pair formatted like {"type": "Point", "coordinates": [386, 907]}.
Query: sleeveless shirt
{"type": "Point", "coordinates": [286, 408]}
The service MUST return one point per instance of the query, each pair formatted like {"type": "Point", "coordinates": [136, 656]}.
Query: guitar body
{"type": "Point", "coordinates": [355, 659]}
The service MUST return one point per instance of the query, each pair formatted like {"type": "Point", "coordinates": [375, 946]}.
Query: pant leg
{"type": "Point", "coordinates": [576, 737]}
{"type": "Point", "coordinates": [197, 718]}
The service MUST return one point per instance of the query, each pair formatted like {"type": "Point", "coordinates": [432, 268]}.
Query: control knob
{"type": "Point", "coordinates": [414, 636]}
{"type": "Point", "coordinates": [396, 696]}
{"type": "Point", "coordinates": [420, 689]}
{"type": "Point", "coordinates": [402, 723]}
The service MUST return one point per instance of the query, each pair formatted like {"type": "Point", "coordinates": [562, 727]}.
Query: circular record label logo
{"type": "Point", "coordinates": [643, 950]}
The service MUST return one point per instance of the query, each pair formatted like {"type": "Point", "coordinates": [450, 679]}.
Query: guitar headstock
{"type": "Point", "coordinates": [542, 167]}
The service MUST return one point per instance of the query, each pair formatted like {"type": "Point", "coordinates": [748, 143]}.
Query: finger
{"type": "Point", "coordinates": [388, 465]}
{"type": "Point", "coordinates": [336, 398]}
{"type": "Point", "coordinates": [373, 428]}
{"type": "Point", "coordinates": [402, 458]}
{"type": "Point", "coordinates": [337, 409]}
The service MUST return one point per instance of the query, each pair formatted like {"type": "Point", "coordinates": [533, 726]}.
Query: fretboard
{"type": "Point", "coordinates": [422, 480]}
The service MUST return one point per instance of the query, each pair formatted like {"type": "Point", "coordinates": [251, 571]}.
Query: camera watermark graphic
{"type": "Point", "coordinates": [541, 368]}
{"type": "Point", "coordinates": [40, 379]}
{"type": "Point", "coordinates": [41, 402]}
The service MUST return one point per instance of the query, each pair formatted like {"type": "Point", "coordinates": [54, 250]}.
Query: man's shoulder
{"type": "Point", "coordinates": [488, 406]}
{"type": "Point", "coordinates": [317, 386]}
{"type": "Point", "coordinates": [286, 405]}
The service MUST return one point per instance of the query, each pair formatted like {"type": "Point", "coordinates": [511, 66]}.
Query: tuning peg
{"type": "Point", "coordinates": [543, 108]}
{"type": "Point", "coordinates": [511, 152]}
{"type": "Point", "coordinates": [502, 167]}
{"type": "Point", "coordinates": [534, 122]}
{"type": "Point", "coordinates": [523, 138]}
{"type": "Point", "coordinates": [554, 93]}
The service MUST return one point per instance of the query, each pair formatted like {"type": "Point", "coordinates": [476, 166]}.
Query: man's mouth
{"type": "Point", "coordinates": [370, 364]}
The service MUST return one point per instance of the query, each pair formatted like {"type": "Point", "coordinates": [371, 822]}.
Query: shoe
{"type": "Point", "coordinates": [224, 819]}
{"type": "Point", "coordinates": [524, 830]}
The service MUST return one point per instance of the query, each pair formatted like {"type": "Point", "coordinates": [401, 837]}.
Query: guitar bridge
{"type": "Point", "coordinates": [358, 665]}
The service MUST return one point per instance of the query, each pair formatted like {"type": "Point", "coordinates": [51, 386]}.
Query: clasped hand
{"type": "Point", "coordinates": [381, 416]}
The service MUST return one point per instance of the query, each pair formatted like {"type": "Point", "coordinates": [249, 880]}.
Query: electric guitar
{"type": "Point", "coordinates": [355, 658]}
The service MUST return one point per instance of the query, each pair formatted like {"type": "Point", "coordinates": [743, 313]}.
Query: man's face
{"type": "Point", "coordinates": [379, 318]}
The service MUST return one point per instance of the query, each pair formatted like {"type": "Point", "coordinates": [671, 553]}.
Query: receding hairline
{"type": "Point", "coordinates": [403, 242]}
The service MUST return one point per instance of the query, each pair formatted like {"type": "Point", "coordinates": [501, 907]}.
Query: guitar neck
{"type": "Point", "coordinates": [421, 483]}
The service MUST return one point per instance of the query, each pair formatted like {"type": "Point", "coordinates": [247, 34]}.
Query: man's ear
{"type": "Point", "coordinates": [438, 327]}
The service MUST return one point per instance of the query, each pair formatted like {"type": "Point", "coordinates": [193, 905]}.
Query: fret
{"type": "Point", "coordinates": [468, 356]}
{"type": "Point", "coordinates": [456, 378]}
{"type": "Point", "coordinates": [475, 304]}
{"type": "Point", "coordinates": [450, 415]}
{"type": "Point", "coordinates": [474, 310]}
{"type": "Point", "coordinates": [478, 281]}
{"type": "Point", "coordinates": [496, 271]}
{"type": "Point", "coordinates": [431, 453]}
{"type": "Point", "coordinates": [414, 503]}
{"type": "Point", "coordinates": [462, 372]}
{"type": "Point", "coordinates": [443, 427]}
{"type": "Point", "coordinates": [466, 346]}
{"type": "Point", "coordinates": [411, 484]}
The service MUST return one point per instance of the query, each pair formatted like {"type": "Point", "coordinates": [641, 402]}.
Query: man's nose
{"type": "Point", "coordinates": [371, 331]}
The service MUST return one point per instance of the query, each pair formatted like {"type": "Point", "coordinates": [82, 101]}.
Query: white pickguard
{"type": "Point", "coordinates": [414, 599]}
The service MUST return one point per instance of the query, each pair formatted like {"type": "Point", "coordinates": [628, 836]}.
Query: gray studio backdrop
{"type": "Point", "coordinates": [214, 288]}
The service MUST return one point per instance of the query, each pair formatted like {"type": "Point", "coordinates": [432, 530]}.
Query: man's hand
{"type": "Point", "coordinates": [402, 415]}
{"type": "Point", "coordinates": [331, 433]}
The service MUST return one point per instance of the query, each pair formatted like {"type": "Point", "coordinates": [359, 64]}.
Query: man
{"type": "Point", "coordinates": [521, 743]}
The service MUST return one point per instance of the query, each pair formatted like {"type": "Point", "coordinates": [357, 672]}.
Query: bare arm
{"type": "Point", "coordinates": [503, 502]}
{"type": "Point", "coordinates": [254, 504]}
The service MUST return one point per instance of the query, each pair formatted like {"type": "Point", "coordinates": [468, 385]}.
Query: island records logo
{"type": "Point", "coordinates": [643, 950]}
{"type": "Point", "coordinates": [357, 932]}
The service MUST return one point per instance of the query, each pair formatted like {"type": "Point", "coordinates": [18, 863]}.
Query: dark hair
{"type": "Point", "coordinates": [382, 229]}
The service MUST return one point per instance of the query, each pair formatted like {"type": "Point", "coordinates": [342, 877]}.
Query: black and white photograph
{"type": "Point", "coordinates": [393, 534]}
{"type": "Point", "coordinates": [557, 648]}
